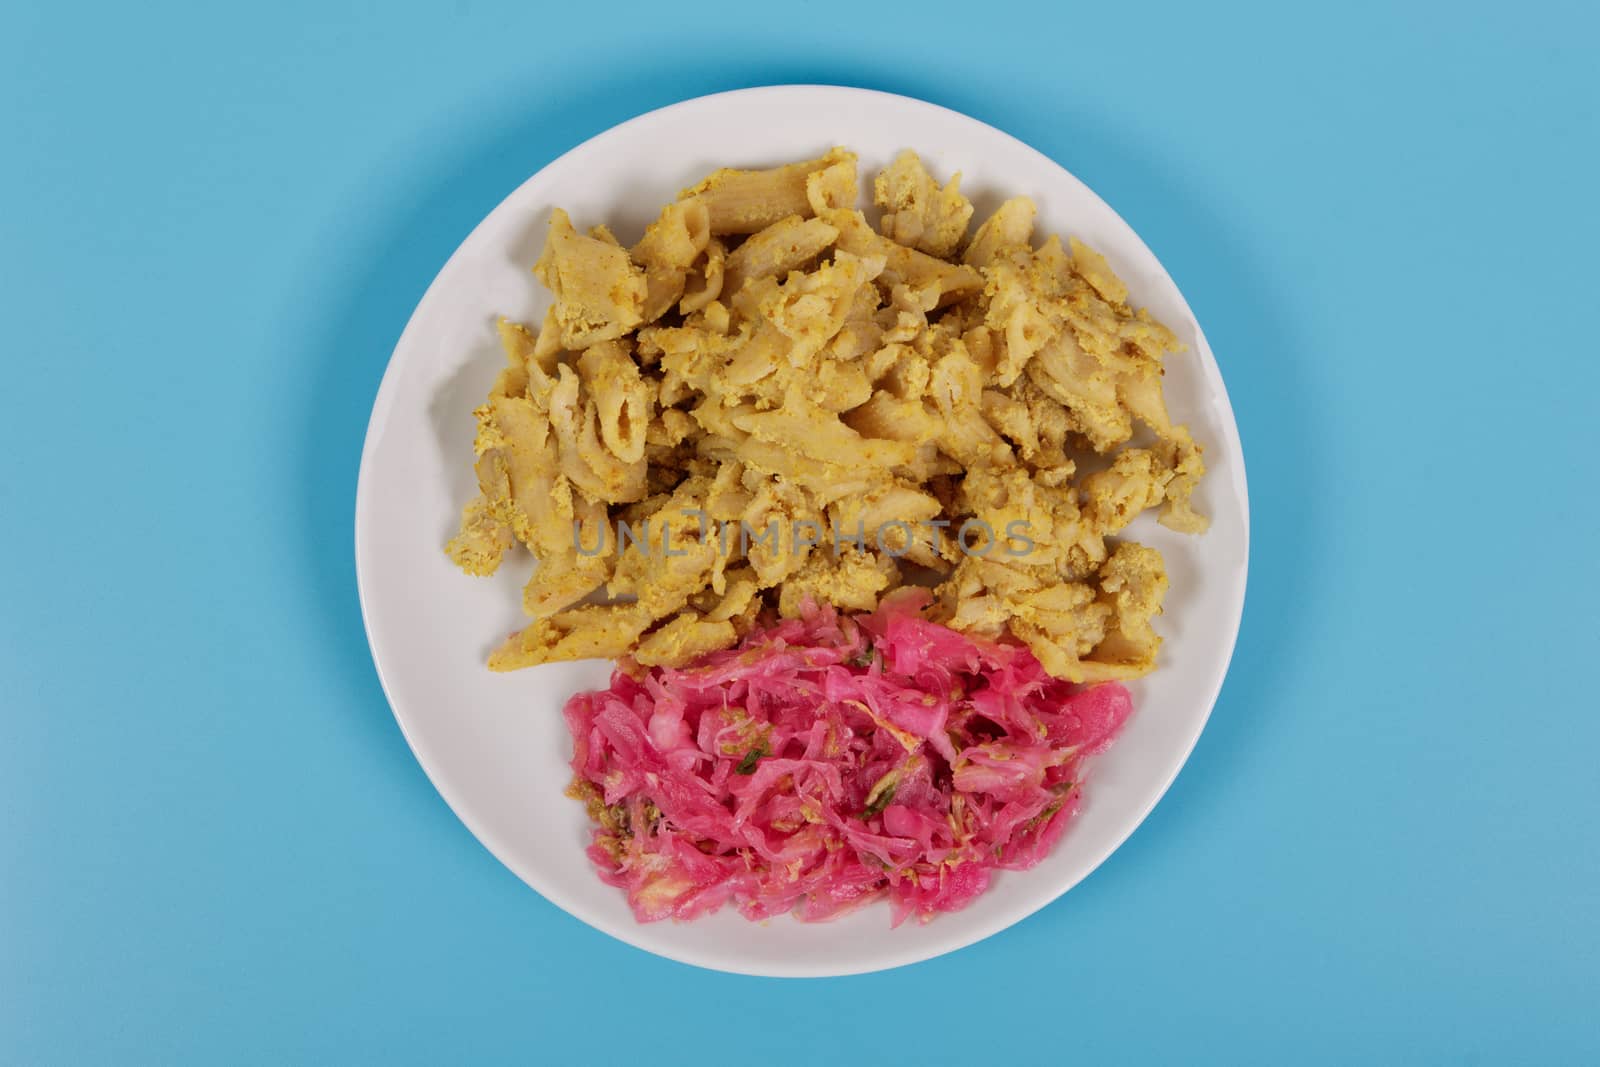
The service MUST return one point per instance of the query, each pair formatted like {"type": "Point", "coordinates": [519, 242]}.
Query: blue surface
{"type": "Point", "coordinates": [215, 845]}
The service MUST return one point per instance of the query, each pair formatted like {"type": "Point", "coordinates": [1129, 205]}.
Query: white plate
{"type": "Point", "coordinates": [495, 745]}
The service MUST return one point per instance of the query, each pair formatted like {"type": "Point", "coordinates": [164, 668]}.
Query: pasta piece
{"type": "Point", "coordinates": [1036, 426]}
{"type": "Point", "coordinates": [594, 631]}
{"type": "Point", "coordinates": [1010, 418]}
{"type": "Point", "coordinates": [1139, 390]}
{"type": "Point", "coordinates": [1133, 583]}
{"type": "Point", "coordinates": [833, 186]}
{"type": "Point", "coordinates": [895, 501]}
{"type": "Point", "coordinates": [905, 318]}
{"type": "Point", "coordinates": [1182, 456]}
{"type": "Point", "coordinates": [624, 402]}
{"type": "Point", "coordinates": [705, 280]}
{"type": "Point", "coordinates": [773, 532]}
{"type": "Point", "coordinates": [522, 351]}
{"type": "Point", "coordinates": [668, 249]}
{"type": "Point", "coordinates": [1093, 268]}
{"type": "Point", "coordinates": [759, 355]}
{"type": "Point", "coordinates": [560, 581]}
{"type": "Point", "coordinates": [787, 244]}
{"type": "Point", "coordinates": [860, 332]}
{"type": "Point", "coordinates": [1018, 326]}
{"type": "Point", "coordinates": [1068, 374]}
{"type": "Point", "coordinates": [1037, 530]}
{"type": "Point", "coordinates": [483, 540]}
{"type": "Point", "coordinates": [956, 386]}
{"type": "Point", "coordinates": [892, 518]}
{"type": "Point", "coordinates": [599, 293]}
{"type": "Point", "coordinates": [1061, 624]}
{"type": "Point", "coordinates": [838, 386]}
{"type": "Point", "coordinates": [672, 561]}
{"type": "Point", "coordinates": [917, 213]}
{"type": "Point", "coordinates": [741, 590]}
{"type": "Point", "coordinates": [901, 264]}
{"type": "Point", "coordinates": [809, 309]}
{"type": "Point", "coordinates": [547, 347]}
{"type": "Point", "coordinates": [808, 431]}
{"type": "Point", "coordinates": [687, 637]}
{"type": "Point", "coordinates": [1010, 227]}
{"type": "Point", "coordinates": [748, 201]}
{"type": "Point", "coordinates": [850, 581]}
{"type": "Point", "coordinates": [517, 466]}
{"type": "Point", "coordinates": [594, 470]}
{"type": "Point", "coordinates": [1114, 497]}
{"type": "Point", "coordinates": [888, 417]}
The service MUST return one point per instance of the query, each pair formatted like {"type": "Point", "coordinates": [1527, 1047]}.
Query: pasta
{"type": "Point", "coordinates": [768, 401]}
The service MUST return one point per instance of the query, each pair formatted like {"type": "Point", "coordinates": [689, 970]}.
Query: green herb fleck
{"type": "Point", "coordinates": [1046, 815]}
{"type": "Point", "coordinates": [875, 805]}
{"type": "Point", "coordinates": [751, 758]}
{"type": "Point", "coordinates": [882, 792]}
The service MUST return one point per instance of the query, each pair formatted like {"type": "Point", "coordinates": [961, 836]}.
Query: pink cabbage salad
{"type": "Point", "coordinates": [828, 761]}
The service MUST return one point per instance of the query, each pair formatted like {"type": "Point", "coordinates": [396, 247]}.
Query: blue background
{"type": "Point", "coordinates": [215, 844]}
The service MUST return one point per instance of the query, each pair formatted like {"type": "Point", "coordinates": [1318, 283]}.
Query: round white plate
{"type": "Point", "coordinates": [496, 746]}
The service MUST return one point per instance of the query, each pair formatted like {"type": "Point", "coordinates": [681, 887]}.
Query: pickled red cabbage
{"type": "Point", "coordinates": [830, 760]}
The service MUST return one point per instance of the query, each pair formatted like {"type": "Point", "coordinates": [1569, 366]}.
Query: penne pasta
{"type": "Point", "coordinates": [766, 403]}
{"type": "Point", "coordinates": [748, 201]}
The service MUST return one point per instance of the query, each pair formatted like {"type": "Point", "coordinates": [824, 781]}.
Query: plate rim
{"type": "Point", "coordinates": [384, 399]}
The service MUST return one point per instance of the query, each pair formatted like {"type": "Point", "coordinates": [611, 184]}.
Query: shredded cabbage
{"type": "Point", "coordinates": [828, 761]}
